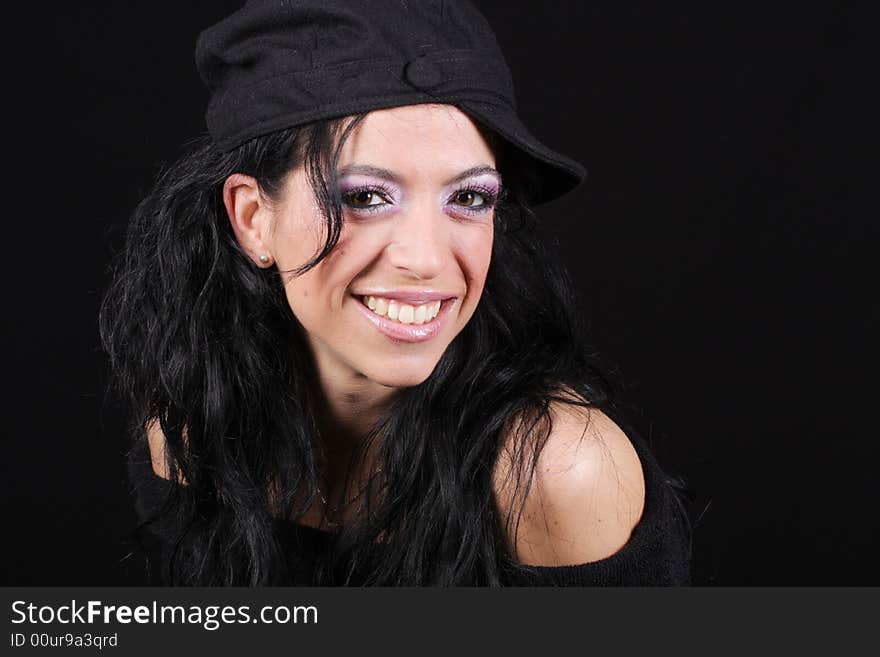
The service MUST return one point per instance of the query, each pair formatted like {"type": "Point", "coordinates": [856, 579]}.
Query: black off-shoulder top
{"type": "Point", "coordinates": [658, 552]}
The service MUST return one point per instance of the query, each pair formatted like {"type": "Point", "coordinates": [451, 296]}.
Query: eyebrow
{"type": "Point", "coordinates": [391, 176]}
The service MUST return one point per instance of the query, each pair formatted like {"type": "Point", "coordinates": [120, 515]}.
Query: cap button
{"type": "Point", "coordinates": [423, 73]}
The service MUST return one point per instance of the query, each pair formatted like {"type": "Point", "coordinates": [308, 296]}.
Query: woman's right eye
{"type": "Point", "coordinates": [363, 198]}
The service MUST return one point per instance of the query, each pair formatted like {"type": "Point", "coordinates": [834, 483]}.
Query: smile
{"type": "Point", "coordinates": [403, 313]}
{"type": "Point", "coordinates": [398, 320]}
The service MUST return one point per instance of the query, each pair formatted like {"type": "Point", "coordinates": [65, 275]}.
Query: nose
{"type": "Point", "coordinates": [420, 242]}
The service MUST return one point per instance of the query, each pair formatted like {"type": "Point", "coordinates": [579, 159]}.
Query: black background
{"type": "Point", "coordinates": [723, 248]}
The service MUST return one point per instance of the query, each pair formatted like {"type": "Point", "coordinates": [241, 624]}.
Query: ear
{"type": "Point", "coordinates": [250, 217]}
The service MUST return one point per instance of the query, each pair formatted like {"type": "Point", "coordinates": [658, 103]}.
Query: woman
{"type": "Point", "coordinates": [349, 359]}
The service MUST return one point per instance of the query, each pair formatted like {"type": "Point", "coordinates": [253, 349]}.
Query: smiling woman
{"type": "Point", "coordinates": [348, 357]}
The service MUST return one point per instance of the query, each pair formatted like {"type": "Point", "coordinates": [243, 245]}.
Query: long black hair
{"type": "Point", "coordinates": [204, 343]}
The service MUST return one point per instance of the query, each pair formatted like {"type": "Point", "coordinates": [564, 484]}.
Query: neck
{"type": "Point", "coordinates": [349, 405]}
{"type": "Point", "coordinates": [349, 408]}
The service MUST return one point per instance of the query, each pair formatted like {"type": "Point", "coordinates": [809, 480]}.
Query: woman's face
{"type": "Point", "coordinates": [419, 188]}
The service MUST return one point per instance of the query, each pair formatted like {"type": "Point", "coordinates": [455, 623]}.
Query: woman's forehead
{"type": "Point", "coordinates": [436, 137]}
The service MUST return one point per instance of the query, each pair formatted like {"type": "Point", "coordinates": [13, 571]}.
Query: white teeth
{"type": "Point", "coordinates": [407, 314]}
{"type": "Point", "coordinates": [402, 312]}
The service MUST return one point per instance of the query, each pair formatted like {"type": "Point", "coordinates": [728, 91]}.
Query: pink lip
{"type": "Point", "coordinates": [398, 332]}
{"type": "Point", "coordinates": [412, 297]}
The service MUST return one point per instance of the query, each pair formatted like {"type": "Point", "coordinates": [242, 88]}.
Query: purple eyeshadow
{"type": "Point", "coordinates": [357, 183]}
{"type": "Point", "coordinates": [487, 184]}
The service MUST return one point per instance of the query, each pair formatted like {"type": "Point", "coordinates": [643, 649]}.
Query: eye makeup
{"type": "Point", "coordinates": [475, 196]}
{"type": "Point", "coordinates": [362, 194]}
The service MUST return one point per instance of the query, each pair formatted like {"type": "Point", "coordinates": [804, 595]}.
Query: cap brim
{"type": "Point", "coordinates": [552, 174]}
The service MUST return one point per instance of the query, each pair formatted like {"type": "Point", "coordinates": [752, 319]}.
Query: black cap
{"type": "Point", "coordinates": [280, 63]}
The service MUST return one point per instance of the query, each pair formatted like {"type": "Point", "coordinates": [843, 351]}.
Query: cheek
{"type": "Point", "coordinates": [476, 250]}
{"type": "Point", "coordinates": [326, 286]}
{"type": "Point", "coordinates": [295, 239]}
{"type": "Point", "coordinates": [350, 257]}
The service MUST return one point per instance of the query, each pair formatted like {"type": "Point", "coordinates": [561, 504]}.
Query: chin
{"type": "Point", "coordinates": [401, 377]}
{"type": "Point", "coordinates": [398, 380]}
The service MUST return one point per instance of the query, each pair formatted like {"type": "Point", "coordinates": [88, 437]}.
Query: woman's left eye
{"type": "Point", "coordinates": [471, 199]}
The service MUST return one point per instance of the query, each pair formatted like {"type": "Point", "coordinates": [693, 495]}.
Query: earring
{"type": "Point", "coordinates": [264, 258]}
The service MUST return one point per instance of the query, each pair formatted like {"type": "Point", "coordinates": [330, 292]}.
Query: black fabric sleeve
{"type": "Point", "coordinates": [155, 532]}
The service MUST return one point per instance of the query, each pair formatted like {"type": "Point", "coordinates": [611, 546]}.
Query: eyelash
{"type": "Point", "coordinates": [490, 198]}
{"type": "Point", "coordinates": [382, 190]}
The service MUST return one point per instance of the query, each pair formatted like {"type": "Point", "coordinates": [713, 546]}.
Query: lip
{"type": "Point", "coordinates": [398, 332]}
{"type": "Point", "coordinates": [412, 297]}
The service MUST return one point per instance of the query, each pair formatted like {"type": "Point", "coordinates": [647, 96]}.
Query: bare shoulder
{"type": "Point", "coordinates": [586, 495]}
